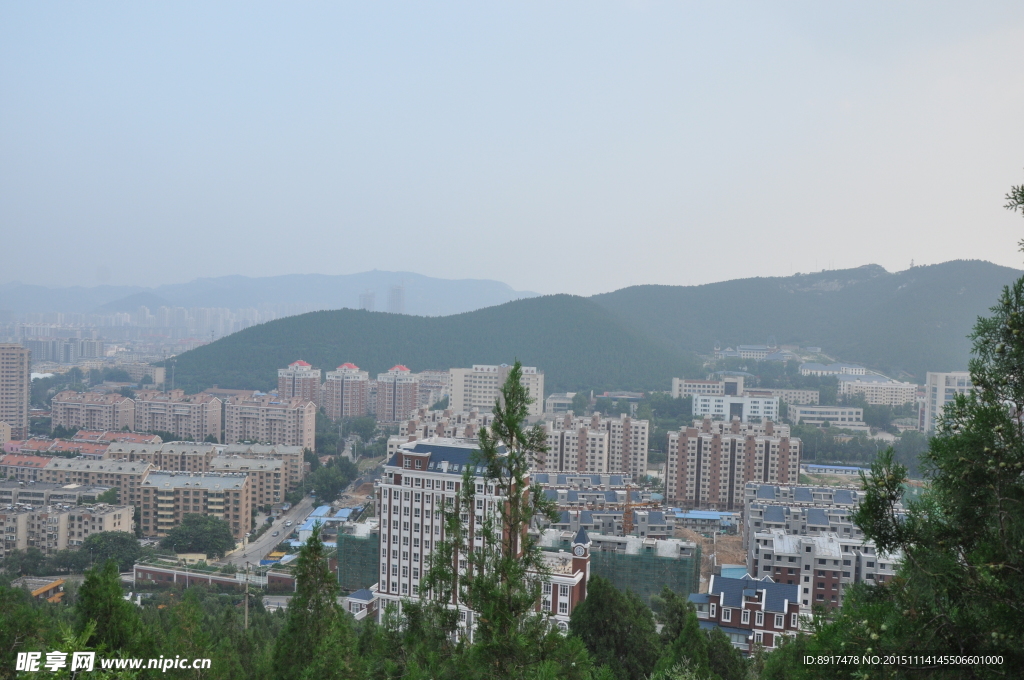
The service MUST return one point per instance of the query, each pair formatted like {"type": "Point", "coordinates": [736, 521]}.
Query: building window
{"type": "Point", "coordinates": [745, 616]}
{"type": "Point", "coordinates": [757, 638]}
{"type": "Point", "coordinates": [726, 614]}
{"type": "Point", "coordinates": [793, 621]}
{"type": "Point", "coordinates": [778, 620]}
{"type": "Point", "coordinates": [713, 610]}
{"type": "Point", "coordinates": [759, 619]}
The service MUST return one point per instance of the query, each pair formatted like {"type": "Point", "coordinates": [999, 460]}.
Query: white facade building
{"type": "Point", "coordinates": [727, 407]}
{"type": "Point", "coordinates": [479, 387]}
{"type": "Point", "coordinates": [418, 481]}
{"type": "Point", "coordinates": [939, 390]}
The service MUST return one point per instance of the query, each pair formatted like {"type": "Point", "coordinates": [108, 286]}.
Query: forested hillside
{"type": "Point", "coordinates": [912, 321]}
{"type": "Point", "coordinates": [576, 342]}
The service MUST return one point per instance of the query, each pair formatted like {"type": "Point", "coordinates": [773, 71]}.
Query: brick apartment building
{"type": "Point", "coordinates": [709, 464]}
{"type": "Point", "coordinates": [750, 611]}
{"type": "Point", "coordinates": [299, 381]}
{"type": "Point", "coordinates": [570, 448]}
{"type": "Point", "coordinates": [398, 394]}
{"type": "Point", "coordinates": [346, 392]}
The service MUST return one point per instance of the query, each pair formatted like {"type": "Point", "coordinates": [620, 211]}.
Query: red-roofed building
{"type": "Point", "coordinates": [299, 380]}
{"type": "Point", "coordinates": [398, 395]}
{"type": "Point", "coordinates": [346, 392]}
{"type": "Point", "coordinates": [23, 467]}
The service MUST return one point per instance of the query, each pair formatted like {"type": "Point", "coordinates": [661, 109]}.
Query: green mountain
{"type": "Point", "coordinates": [575, 341]}
{"type": "Point", "coordinates": [640, 337]}
{"type": "Point", "coordinates": [907, 322]}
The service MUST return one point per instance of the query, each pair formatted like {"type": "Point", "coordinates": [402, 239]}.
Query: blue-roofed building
{"type": "Point", "coordinates": [750, 611]}
{"type": "Point", "coordinates": [646, 523]}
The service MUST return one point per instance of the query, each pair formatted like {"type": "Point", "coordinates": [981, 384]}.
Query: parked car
{"type": "Point", "coordinates": [275, 533]}
{"type": "Point", "coordinates": [288, 523]}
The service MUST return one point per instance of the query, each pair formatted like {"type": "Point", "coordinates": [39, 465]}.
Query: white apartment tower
{"type": "Point", "coordinates": [420, 479]}
{"type": "Point", "coordinates": [299, 380]}
{"type": "Point", "coordinates": [346, 392]}
{"type": "Point", "coordinates": [939, 390]}
{"type": "Point", "coordinates": [479, 387]}
{"type": "Point", "coordinates": [15, 388]}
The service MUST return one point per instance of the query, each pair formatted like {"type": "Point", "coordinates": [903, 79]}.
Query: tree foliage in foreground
{"type": "Point", "coordinates": [960, 588]}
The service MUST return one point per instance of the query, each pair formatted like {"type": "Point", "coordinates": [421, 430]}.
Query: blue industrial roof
{"type": "Point", "coordinates": [321, 511]}
{"type": "Point", "coordinates": [775, 597]}
{"type": "Point", "coordinates": [733, 571]}
{"type": "Point", "coordinates": [699, 514]}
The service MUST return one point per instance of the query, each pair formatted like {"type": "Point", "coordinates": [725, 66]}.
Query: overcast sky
{"type": "Point", "coordinates": [559, 147]}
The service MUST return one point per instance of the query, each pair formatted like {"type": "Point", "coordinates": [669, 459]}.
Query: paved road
{"type": "Point", "coordinates": [257, 549]}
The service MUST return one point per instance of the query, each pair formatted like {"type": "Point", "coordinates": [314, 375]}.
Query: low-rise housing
{"type": "Point", "coordinates": [877, 390]}
{"type": "Point", "coordinates": [752, 612]}
{"type": "Point", "coordinates": [821, 566]}
{"type": "Point", "coordinates": [846, 417]}
{"type": "Point", "coordinates": [265, 476]}
{"type": "Point", "coordinates": [168, 496]}
{"type": "Point", "coordinates": [23, 468]}
{"type": "Point", "coordinates": [126, 476]}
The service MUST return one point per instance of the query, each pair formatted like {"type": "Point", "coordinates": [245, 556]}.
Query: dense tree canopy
{"type": "Point", "coordinates": [200, 534]}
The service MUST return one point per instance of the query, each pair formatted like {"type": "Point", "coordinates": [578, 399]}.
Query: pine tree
{"type": "Point", "coordinates": [618, 630]}
{"type": "Point", "coordinates": [313, 612]}
{"type": "Point", "coordinates": [101, 599]}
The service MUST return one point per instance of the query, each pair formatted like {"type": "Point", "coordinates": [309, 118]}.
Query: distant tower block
{"type": "Point", "coordinates": [396, 300]}
{"type": "Point", "coordinates": [368, 300]}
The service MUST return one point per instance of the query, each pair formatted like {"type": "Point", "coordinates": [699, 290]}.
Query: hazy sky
{"type": "Point", "coordinates": [557, 146]}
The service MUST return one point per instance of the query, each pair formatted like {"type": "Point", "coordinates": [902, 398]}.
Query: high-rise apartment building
{"type": "Point", "coordinates": [574, 445]}
{"type": "Point", "coordinates": [396, 299]}
{"type": "Point", "coordinates": [192, 417]}
{"type": "Point", "coordinates": [710, 463]}
{"type": "Point", "coordinates": [346, 392]}
{"type": "Point", "coordinates": [480, 386]}
{"type": "Point", "coordinates": [92, 410]}
{"type": "Point", "coordinates": [264, 419]}
{"type": "Point", "coordinates": [398, 394]}
{"type": "Point", "coordinates": [417, 483]}
{"type": "Point", "coordinates": [299, 380]}
{"type": "Point", "coordinates": [939, 390]}
{"type": "Point", "coordinates": [15, 388]}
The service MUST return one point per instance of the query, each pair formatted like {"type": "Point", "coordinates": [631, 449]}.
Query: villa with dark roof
{"type": "Point", "coordinates": [750, 611]}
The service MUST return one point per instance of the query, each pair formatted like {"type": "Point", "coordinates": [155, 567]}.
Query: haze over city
{"type": "Point", "coordinates": [604, 145]}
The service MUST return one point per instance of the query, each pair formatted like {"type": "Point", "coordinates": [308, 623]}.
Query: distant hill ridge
{"type": "Point", "coordinates": [640, 337]}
